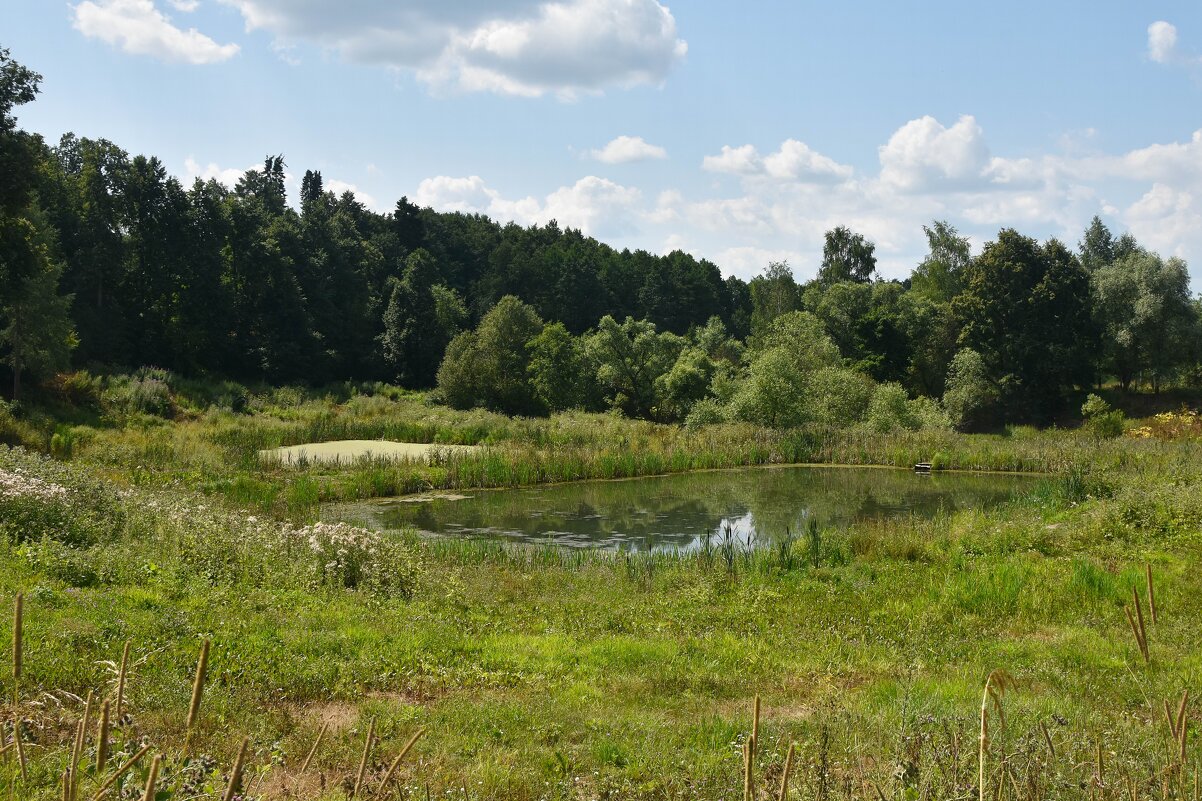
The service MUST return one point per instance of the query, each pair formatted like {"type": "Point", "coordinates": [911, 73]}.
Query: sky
{"type": "Point", "coordinates": [739, 132]}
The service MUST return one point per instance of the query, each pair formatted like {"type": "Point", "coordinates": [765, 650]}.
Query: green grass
{"type": "Point", "coordinates": [541, 673]}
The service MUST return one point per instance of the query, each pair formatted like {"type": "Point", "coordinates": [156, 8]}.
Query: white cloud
{"type": "Point", "coordinates": [1167, 220]}
{"type": "Point", "coordinates": [338, 187]}
{"type": "Point", "coordinates": [794, 161]}
{"type": "Point", "coordinates": [229, 176]}
{"type": "Point", "coordinates": [136, 26]}
{"type": "Point", "coordinates": [749, 261]}
{"type": "Point", "coordinates": [743, 160]}
{"type": "Point", "coordinates": [1162, 42]}
{"type": "Point", "coordinates": [186, 6]}
{"type": "Point", "coordinates": [514, 47]}
{"type": "Point", "coordinates": [596, 206]}
{"type": "Point", "coordinates": [797, 161]}
{"type": "Point", "coordinates": [625, 149]}
{"type": "Point", "coordinates": [923, 155]}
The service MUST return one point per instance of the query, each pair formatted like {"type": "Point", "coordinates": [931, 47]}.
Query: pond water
{"type": "Point", "coordinates": [678, 512]}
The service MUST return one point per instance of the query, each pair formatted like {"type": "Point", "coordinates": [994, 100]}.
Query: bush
{"type": "Point", "coordinates": [970, 397]}
{"type": "Point", "coordinates": [705, 412]}
{"type": "Point", "coordinates": [147, 391]}
{"type": "Point", "coordinates": [44, 499]}
{"type": "Point", "coordinates": [1102, 421]}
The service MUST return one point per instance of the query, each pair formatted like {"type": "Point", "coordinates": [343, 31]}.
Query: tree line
{"type": "Point", "coordinates": [109, 263]}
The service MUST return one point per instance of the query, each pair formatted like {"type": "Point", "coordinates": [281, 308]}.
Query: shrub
{"type": "Point", "coordinates": [44, 499]}
{"type": "Point", "coordinates": [1102, 421]}
{"type": "Point", "coordinates": [145, 392]}
{"type": "Point", "coordinates": [970, 397]}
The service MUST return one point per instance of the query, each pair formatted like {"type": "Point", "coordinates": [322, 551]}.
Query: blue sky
{"type": "Point", "coordinates": [736, 131]}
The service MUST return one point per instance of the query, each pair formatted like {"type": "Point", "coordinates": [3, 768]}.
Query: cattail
{"type": "Point", "coordinates": [1047, 738]}
{"type": "Point", "coordinates": [755, 724]}
{"type": "Point", "coordinates": [1179, 730]}
{"type": "Point", "coordinates": [236, 773]}
{"type": "Point", "coordinates": [102, 738]}
{"type": "Point", "coordinates": [747, 770]}
{"type": "Point", "coordinates": [784, 777]}
{"type": "Point", "coordinates": [309, 758]}
{"type": "Point", "coordinates": [18, 619]}
{"type": "Point", "coordinates": [1143, 630]}
{"type": "Point", "coordinates": [121, 771]}
{"type": "Point", "coordinates": [1183, 732]}
{"type": "Point", "coordinates": [371, 733]}
{"type": "Point", "coordinates": [1151, 592]}
{"type": "Point", "coordinates": [1168, 717]}
{"type": "Point", "coordinates": [76, 753]}
{"type": "Point", "coordinates": [1140, 642]}
{"type": "Point", "coordinates": [67, 785]}
{"type": "Point", "coordinates": [152, 779]}
{"type": "Point", "coordinates": [198, 687]}
{"type": "Point", "coordinates": [996, 685]}
{"type": "Point", "coordinates": [121, 675]}
{"type": "Point", "coordinates": [20, 750]}
{"type": "Point", "coordinates": [392, 768]}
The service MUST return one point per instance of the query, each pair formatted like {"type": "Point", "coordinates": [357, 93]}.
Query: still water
{"type": "Point", "coordinates": [677, 512]}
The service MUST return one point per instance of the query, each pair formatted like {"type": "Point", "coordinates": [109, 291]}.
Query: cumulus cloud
{"type": "Point", "coordinates": [743, 160]}
{"type": "Point", "coordinates": [338, 187]}
{"type": "Point", "coordinates": [786, 200]}
{"type": "Point", "coordinates": [1162, 42]}
{"type": "Point", "coordinates": [596, 206]}
{"type": "Point", "coordinates": [625, 149]}
{"type": "Point", "coordinates": [1167, 220]}
{"type": "Point", "coordinates": [136, 26]}
{"type": "Point", "coordinates": [794, 161]}
{"type": "Point", "coordinates": [513, 47]}
{"type": "Point", "coordinates": [186, 6]}
{"type": "Point", "coordinates": [924, 155]}
{"type": "Point", "coordinates": [228, 176]}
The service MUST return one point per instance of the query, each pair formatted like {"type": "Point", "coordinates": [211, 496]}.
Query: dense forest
{"type": "Point", "coordinates": [108, 263]}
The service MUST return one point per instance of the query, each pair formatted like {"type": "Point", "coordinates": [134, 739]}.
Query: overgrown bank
{"type": "Point", "coordinates": [540, 674]}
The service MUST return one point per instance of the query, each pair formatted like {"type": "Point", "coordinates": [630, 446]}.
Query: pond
{"type": "Point", "coordinates": [678, 512]}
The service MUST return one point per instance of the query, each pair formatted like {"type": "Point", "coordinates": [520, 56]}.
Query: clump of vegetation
{"type": "Point", "coordinates": [1101, 420]}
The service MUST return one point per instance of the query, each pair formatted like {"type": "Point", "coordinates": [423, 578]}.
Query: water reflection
{"type": "Point", "coordinates": [677, 512]}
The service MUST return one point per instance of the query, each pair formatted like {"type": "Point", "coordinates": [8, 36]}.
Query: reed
{"type": "Point", "coordinates": [1151, 592]}
{"type": "Point", "coordinates": [235, 784]}
{"type": "Point", "coordinates": [122, 675]}
{"type": "Point", "coordinates": [198, 687]}
{"type": "Point", "coordinates": [20, 747]}
{"type": "Point", "coordinates": [18, 620]}
{"type": "Point", "coordinates": [396, 762]}
{"type": "Point", "coordinates": [76, 754]}
{"type": "Point", "coordinates": [784, 776]}
{"type": "Point", "coordinates": [309, 757]}
{"type": "Point", "coordinates": [996, 685]}
{"type": "Point", "coordinates": [102, 738]}
{"type": "Point", "coordinates": [371, 734]}
{"type": "Point", "coordinates": [152, 778]}
{"type": "Point", "coordinates": [1137, 626]}
{"type": "Point", "coordinates": [121, 771]}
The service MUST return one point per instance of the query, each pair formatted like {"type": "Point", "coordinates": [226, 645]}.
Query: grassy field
{"type": "Point", "coordinates": [542, 674]}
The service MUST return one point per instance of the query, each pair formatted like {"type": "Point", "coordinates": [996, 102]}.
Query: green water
{"type": "Point", "coordinates": [678, 512]}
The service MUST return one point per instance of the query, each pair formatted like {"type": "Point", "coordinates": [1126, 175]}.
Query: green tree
{"type": "Point", "coordinates": [18, 177]}
{"type": "Point", "coordinates": [846, 256]}
{"type": "Point", "coordinates": [773, 292]}
{"type": "Point", "coordinates": [490, 367]}
{"type": "Point", "coordinates": [37, 336]}
{"type": "Point", "coordinates": [415, 338]}
{"type": "Point", "coordinates": [1025, 310]}
{"type": "Point", "coordinates": [971, 395]}
{"type": "Point", "coordinates": [560, 375]}
{"type": "Point", "coordinates": [1147, 319]}
{"type": "Point", "coordinates": [940, 276]}
{"type": "Point", "coordinates": [630, 357]}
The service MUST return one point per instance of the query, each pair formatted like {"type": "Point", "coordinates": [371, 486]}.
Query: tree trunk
{"type": "Point", "coordinates": [16, 381]}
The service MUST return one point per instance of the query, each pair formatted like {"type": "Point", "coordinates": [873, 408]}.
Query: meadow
{"type": "Point", "coordinates": [536, 673]}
